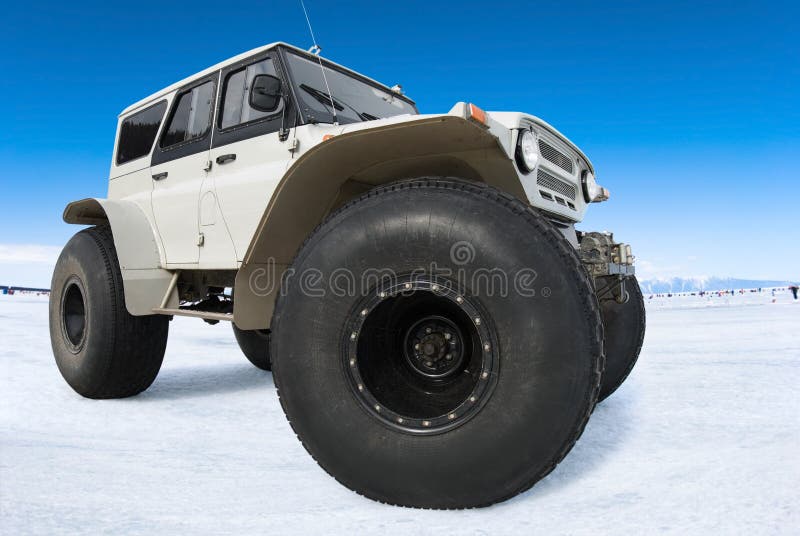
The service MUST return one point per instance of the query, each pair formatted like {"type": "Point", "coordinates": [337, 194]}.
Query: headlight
{"type": "Point", "coordinates": [526, 151]}
{"type": "Point", "coordinates": [592, 192]}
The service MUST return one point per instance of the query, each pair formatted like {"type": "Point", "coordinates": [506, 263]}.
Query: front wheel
{"type": "Point", "coordinates": [101, 350]}
{"type": "Point", "coordinates": [449, 349]}
{"type": "Point", "coordinates": [624, 326]}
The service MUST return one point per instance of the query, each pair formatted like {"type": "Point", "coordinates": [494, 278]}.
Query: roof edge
{"type": "Point", "coordinates": [230, 61]}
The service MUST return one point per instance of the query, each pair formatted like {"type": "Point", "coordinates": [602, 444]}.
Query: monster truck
{"type": "Point", "coordinates": [438, 330]}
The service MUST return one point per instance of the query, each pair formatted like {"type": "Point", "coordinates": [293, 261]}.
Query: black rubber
{"type": "Point", "coordinates": [550, 347]}
{"type": "Point", "coordinates": [254, 345]}
{"type": "Point", "coordinates": [118, 355]}
{"type": "Point", "coordinates": [624, 327]}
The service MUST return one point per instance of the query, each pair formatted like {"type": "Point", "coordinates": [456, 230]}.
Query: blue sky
{"type": "Point", "coordinates": [689, 110]}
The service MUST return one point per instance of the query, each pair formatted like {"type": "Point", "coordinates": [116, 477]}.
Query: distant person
{"type": "Point", "coordinates": [793, 288]}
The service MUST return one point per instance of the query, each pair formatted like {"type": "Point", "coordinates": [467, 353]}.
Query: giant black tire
{"type": "Point", "coordinates": [101, 350]}
{"type": "Point", "coordinates": [547, 346]}
{"type": "Point", "coordinates": [254, 344]}
{"type": "Point", "coordinates": [624, 327]}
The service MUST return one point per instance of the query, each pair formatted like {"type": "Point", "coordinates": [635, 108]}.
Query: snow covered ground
{"type": "Point", "coordinates": [702, 439]}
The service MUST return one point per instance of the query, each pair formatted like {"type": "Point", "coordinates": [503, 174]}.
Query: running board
{"type": "Point", "coordinates": [205, 315]}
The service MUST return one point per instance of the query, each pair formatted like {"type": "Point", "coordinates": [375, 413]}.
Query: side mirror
{"type": "Point", "coordinates": [265, 93]}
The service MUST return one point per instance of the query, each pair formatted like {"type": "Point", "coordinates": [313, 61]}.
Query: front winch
{"type": "Point", "coordinates": [602, 256]}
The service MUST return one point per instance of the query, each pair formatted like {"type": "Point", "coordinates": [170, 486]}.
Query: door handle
{"type": "Point", "coordinates": [222, 159]}
{"type": "Point", "coordinates": [159, 176]}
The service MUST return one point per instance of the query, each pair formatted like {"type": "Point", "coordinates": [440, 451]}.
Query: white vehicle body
{"type": "Point", "coordinates": [344, 224]}
{"type": "Point", "coordinates": [209, 212]}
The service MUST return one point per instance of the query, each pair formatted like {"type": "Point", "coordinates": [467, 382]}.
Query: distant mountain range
{"type": "Point", "coordinates": [694, 284]}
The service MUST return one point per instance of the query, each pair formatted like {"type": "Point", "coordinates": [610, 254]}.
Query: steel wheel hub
{"type": "Point", "coordinates": [420, 355]}
{"type": "Point", "coordinates": [434, 347]}
{"type": "Point", "coordinates": [73, 315]}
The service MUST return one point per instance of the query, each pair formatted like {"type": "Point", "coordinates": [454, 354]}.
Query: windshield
{"type": "Point", "coordinates": [353, 99]}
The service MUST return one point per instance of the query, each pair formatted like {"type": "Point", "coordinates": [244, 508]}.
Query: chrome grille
{"type": "Point", "coordinates": [546, 180]}
{"type": "Point", "coordinates": [555, 156]}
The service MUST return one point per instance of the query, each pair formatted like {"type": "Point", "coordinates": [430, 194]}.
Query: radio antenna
{"type": "Point", "coordinates": [316, 49]}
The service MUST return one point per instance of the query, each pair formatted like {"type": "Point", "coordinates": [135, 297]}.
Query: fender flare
{"type": "Point", "coordinates": [144, 280]}
{"type": "Point", "coordinates": [316, 184]}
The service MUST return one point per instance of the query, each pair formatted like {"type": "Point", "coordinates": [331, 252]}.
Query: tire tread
{"type": "Point", "coordinates": [134, 345]}
{"type": "Point", "coordinates": [572, 262]}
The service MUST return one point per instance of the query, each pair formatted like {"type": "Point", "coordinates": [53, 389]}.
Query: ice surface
{"type": "Point", "coordinates": [702, 439]}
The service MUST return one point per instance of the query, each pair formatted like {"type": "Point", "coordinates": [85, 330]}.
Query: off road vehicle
{"type": "Point", "coordinates": [438, 331]}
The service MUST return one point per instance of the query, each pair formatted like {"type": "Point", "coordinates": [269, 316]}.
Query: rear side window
{"type": "Point", "coordinates": [138, 132]}
{"type": "Point", "coordinates": [236, 108]}
{"type": "Point", "coordinates": [191, 117]}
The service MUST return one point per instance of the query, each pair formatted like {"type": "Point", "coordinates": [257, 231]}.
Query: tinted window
{"type": "Point", "coordinates": [138, 132]}
{"type": "Point", "coordinates": [236, 104]}
{"type": "Point", "coordinates": [191, 117]}
{"type": "Point", "coordinates": [353, 98]}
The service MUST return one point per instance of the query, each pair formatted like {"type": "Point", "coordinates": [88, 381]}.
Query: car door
{"type": "Point", "coordinates": [249, 154]}
{"type": "Point", "coordinates": [178, 168]}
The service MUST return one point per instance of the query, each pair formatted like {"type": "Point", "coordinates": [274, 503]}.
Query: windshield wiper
{"type": "Point", "coordinates": [322, 97]}
{"type": "Point", "coordinates": [328, 100]}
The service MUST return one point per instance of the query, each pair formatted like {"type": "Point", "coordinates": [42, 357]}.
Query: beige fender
{"type": "Point", "coordinates": [343, 167]}
{"type": "Point", "coordinates": [144, 281]}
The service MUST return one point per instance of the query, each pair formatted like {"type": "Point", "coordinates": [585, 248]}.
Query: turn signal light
{"type": "Point", "coordinates": [477, 115]}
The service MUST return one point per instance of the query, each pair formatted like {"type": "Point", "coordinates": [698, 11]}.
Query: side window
{"type": "Point", "coordinates": [236, 108]}
{"type": "Point", "coordinates": [138, 132]}
{"type": "Point", "coordinates": [191, 117]}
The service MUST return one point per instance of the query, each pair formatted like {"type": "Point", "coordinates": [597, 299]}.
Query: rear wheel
{"type": "Point", "coordinates": [624, 326]}
{"type": "Point", "coordinates": [101, 350]}
{"type": "Point", "coordinates": [254, 344]}
{"type": "Point", "coordinates": [410, 372]}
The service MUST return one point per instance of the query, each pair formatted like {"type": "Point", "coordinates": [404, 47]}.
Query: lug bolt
{"type": "Point", "coordinates": [426, 423]}
{"type": "Point", "coordinates": [416, 347]}
{"type": "Point", "coordinates": [352, 362]}
{"type": "Point", "coordinates": [472, 399]}
{"type": "Point", "coordinates": [400, 420]}
{"type": "Point", "coordinates": [451, 416]}
{"type": "Point", "coordinates": [364, 312]}
{"type": "Point", "coordinates": [435, 288]}
{"type": "Point", "coordinates": [449, 357]}
{"type": "Point", "coordinates": [484, 375]}
{"type": "Point", "coordinates": [353, 336]}
{"type": "Point", "coordinates": [486, 347]}
{"type": "Point", "coordinates": [360, 388]}
{"type": "Point", "coordinates": [377, 407]}
{"type": "Point", "coordinates": [408, 285]}
{"type": "Point", "coordinates": [447, 336]}
{"type": "Point", "coordinates": [382, 295]}
{"type": "Point", "coordinates": [459, 299]}
{"type": "Point", "coordinates": [428, 364]}
{"type": "Point", "coordinates": [477, 321]}
{"type": "Point", "coordinates": [428, 330]}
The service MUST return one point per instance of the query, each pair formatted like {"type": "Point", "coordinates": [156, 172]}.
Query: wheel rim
{"type": "Point", "coordinates": [420, 356]}
{"type": "Point", "coordinates": [73, 315]}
